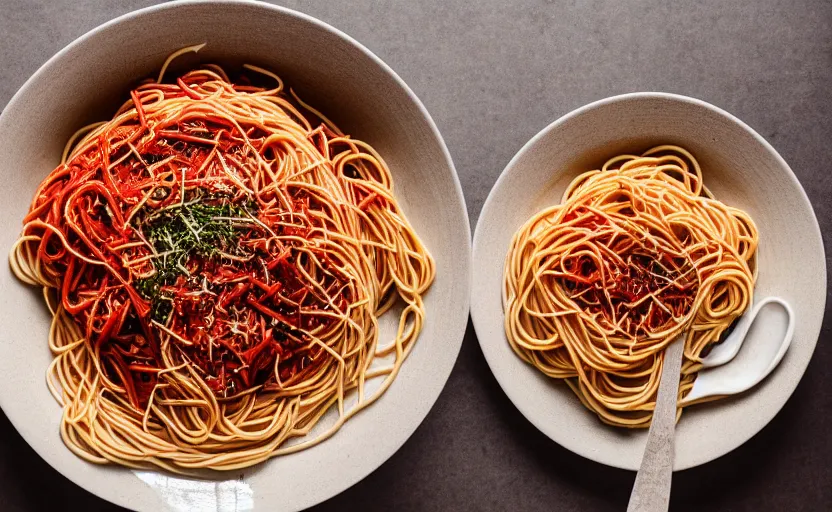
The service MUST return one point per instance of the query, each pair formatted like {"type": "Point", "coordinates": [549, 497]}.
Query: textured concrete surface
{"type": "Point", "coordinates": [493, 73]}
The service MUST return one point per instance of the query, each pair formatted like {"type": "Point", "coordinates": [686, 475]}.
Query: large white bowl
{"type": "Point", "coordinates": [86, 82]}
{"type": "Point", "coordinates": [742, 170]}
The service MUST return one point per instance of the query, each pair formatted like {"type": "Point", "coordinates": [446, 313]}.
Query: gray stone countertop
{"type": "Point", "coordinates": [492, 73]}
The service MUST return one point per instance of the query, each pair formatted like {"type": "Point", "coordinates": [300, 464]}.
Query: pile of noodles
{"type": "Point", "coordinates": [216, 258]}
{"type": "Point", "coordinates": [637, 253]}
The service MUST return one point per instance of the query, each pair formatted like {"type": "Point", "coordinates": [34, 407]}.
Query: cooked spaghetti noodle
{"type": "Point", "coordinates": [216, 258]}
{"type": "Point", "coordinates": [636, 254]}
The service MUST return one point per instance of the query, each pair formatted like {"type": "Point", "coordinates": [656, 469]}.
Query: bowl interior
{"type": "Point", "coordinates": [742, 170]}
{"type": "Point", "coordinates": [89, 79]}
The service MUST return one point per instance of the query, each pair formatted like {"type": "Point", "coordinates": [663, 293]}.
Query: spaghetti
{"type": "Point", "coordinates": [216, 258]}
{"type": "Point", "coordinates": [636, 254]}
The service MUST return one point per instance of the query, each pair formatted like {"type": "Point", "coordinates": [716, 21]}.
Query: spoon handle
{"type": "Point", "coordinates": [651, 491]}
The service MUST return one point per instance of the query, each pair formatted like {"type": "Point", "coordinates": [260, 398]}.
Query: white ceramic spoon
{"type": "Point", "coordinates": [651, 491]}
{"type": "Point", "coordinates": [733, 379]}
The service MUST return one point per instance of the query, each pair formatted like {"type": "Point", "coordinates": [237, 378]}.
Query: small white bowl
{"type": "Point", "coordinates": [86, 82]}
{"type": "Point", "coordinates": [742, 170]}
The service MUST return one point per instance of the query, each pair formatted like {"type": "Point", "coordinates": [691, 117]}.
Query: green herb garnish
{"type": "Point", "coordinates": [204, 227]}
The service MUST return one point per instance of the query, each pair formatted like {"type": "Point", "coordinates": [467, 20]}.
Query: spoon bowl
{"type": "Point", "coordinates": [718, 378]}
